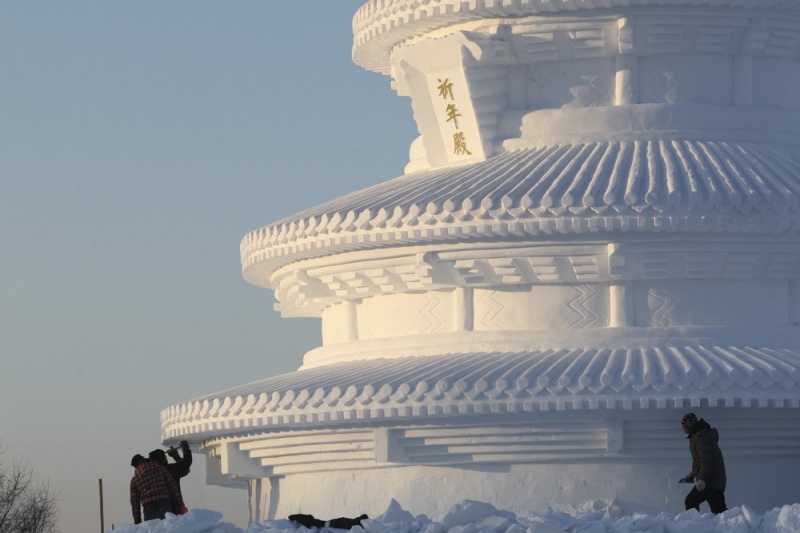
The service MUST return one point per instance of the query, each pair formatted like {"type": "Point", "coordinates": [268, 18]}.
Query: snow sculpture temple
{"type": "Point", "coordinates": [598, 231]}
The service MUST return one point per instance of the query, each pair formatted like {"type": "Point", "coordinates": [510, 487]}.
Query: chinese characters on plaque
{"type": "Point", "coordinates": [445, 88]}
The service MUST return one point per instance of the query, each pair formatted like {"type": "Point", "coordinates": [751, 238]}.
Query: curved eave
{"type": "Point", "coordinates": [504, 383]}
{"type": "Point", "coordinates": [380, 25]}
{"type": "Point", "coordinates": [588, 188]}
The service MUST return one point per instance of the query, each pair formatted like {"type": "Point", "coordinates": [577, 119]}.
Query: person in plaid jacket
{"type": "Point", "coordinates": [153, 489]}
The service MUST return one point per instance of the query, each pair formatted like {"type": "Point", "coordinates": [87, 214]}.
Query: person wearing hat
{"type": "Point", "coordinates": [178, 469]}
{"type": "Point", "coordinates": [708, 466]}
{"type": "Point", "coordinates": [153, 492]}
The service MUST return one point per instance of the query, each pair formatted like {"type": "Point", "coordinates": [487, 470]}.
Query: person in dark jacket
{"type": "Point", "coordinates": [153, 490]}
{"type": "Point", "coordinates": [708, 466]}
{"type": "Point", "coordinates": [178, 469]}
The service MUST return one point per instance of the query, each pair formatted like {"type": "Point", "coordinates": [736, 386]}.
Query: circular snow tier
{"type": "Point", "coordinates": [597, 231]}
{"type": "Point", "coordinates": [380, 26]}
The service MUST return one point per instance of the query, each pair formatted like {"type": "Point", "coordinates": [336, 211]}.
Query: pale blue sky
{"type": "Point", "coordinates": [139, 142]}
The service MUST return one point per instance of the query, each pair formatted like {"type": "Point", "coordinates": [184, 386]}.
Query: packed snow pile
{"type": "Point", "coordinates": [477, 517]}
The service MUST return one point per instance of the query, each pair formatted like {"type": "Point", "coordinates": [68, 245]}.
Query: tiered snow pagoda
{"type": "Point", "coordinates": [598, 231]}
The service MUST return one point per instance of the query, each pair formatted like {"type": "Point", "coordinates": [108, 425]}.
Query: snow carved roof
{"type": "Point", "coordinates": [511, 382]}
{"type": "Point", "coordinates": [663, 185]}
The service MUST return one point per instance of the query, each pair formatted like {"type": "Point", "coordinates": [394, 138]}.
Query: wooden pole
{"type": "Point", "coordinates": [102, 525]}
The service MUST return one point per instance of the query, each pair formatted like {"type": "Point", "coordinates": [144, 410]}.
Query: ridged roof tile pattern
{"type": "Point", "coordinates": [560, 189]}
{"type": "Point", "coordinates": [379, 25]}
{"type": "Point", "coordinates": [466, 384]}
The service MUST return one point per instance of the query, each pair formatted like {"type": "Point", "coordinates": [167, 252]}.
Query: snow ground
{"type": "Point", "coordinates": [478, 517]}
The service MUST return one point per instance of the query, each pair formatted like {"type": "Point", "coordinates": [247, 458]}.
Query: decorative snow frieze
{"type": "Point", "coordinates": [576, 83]}
{"type": "Point", "coordinates": [540, 307]}
{"type": "Point", "coordinates": [708, 261]}
{"type": "Point", "coordinates": [311, 290]}
{"type": "Point", "coordinates": [422, 314]}
{"type": "Point", "coordinates": [695, 302]}
{"type": "Point", "coordinates": [314, 289]}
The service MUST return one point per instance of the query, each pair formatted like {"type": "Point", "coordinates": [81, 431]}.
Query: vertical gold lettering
{"type": "Point", "coordinates": [446, 89]}
{"type": "Point", "coordinates": [460, 144]}
{"type": "Point", "coordinates": [452, 114]}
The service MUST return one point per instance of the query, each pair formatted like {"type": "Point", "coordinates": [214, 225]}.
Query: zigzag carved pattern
{"type": "Point", "coordinates": [427, 312]}
{"type": "Point", "coordinates": [586, 293]}
{"type": "Point", "coordinates": [434, 322]}
{"type": "Point", "coordinates": [493, 308]}
{"type": "Point", "coordinates": [667, 301]}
